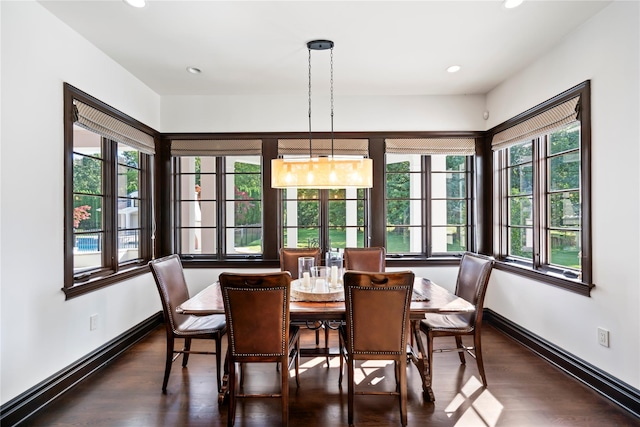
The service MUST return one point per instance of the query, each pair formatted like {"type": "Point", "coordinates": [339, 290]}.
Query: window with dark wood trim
{"type": "Point", "coordinates": [108, 212]}
{"type": "Point", "coordinates": [542, 192]}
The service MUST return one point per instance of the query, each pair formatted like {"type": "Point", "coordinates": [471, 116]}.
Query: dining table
{"type": "Point", "coordinates": [427, 297]}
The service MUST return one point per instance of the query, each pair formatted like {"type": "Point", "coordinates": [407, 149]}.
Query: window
{"type": "Point", "coordinates": [108, 208]}
{"type": "Point", "coordinates": [542, 190]}
{"type": "Point", "coordinates": [429, 196]}
{"type": "Point", "coordinates": [217, 198]}
{"type": "Point", "coordinates": [328, 219]}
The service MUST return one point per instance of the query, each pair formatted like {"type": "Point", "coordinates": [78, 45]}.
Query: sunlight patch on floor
{"type": "Point", "coordinates": [484, 411]}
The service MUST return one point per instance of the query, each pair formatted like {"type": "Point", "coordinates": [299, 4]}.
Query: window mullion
{"type": "Point", "coordinates": [221, 197]}
{"type": "Point", "coordinates": [539, 181]}
{"type": "Point", "coordinates": [110, 214]}
{"type": "Point", "coordinates": [427, 235]}
{"type": "Point", "coordinates": [325, 240]}
{"type": "Point", "coordinates": [470, 201]}
{"type": "Point", "coordinates": [503, 204]}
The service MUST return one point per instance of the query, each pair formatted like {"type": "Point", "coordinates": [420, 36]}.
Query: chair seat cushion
{"type": "Point", "coordinates": [200, 325]}
{"type": "Point", "coordinates": [455, 323]}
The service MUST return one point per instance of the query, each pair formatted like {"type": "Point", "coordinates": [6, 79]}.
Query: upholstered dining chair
{"type": "Point", "coordinates": [471, 284]}
{"type": "Point", "coordinates": [289, 258]}
{"type": "Point", "coordinates": [365, 259]}
{"type": "Point", "coordinates": [376, 328]}
{"type": "Point", "coordinates": [169, 278]}
{"type": "Point", "coordinates": [257, 311]}
{"type": "Point", "coordinates": [289, 262]}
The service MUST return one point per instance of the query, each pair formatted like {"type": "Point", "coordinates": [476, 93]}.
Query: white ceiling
{"type": "Point", "coordinates": [381, 47]}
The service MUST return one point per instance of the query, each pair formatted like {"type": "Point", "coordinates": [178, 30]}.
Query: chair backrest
{"type": "Point", "coordinates": [377, 307]}
{"type": "Point", "coordinates": [172, 287]}
{"type": "Point", "coordinates": [289, 258]}
{"type": "Point", "coordinates": [473, 278]}
{"type": "Point", "coordinates": [365, 259]}
{"type": "Point", "coordinates": [257, 311]}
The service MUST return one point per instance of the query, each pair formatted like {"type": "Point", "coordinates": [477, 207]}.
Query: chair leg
{"type": "Point", "coordinates": [218, 356]}
{"type": "Point", "coordinates": [403, 390]}
{"type": "Point", "coordinates": [326, 342]}
{"type": "Point", "coordinates": [167, 363]}
{"type": "Point", "coordinates": [351, 390]}
{"type": "Point", "coordinates": [478, 350]}
{"type": "Point", "coordinates": [187, 347]}
{"type": "Point", "coordinates": [341, 355]}
{"type": "Point", "coordinates": [231, 410]}
{"type": "Point", "coordinates": [285, 392]}
{"type": "Point", "coordinates": [298, 364]}
{"type": "Point", "coordinates": [460, 345]}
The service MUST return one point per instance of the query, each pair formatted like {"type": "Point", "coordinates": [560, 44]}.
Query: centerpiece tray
{"type": "Point", "coordinates": [299, 294]}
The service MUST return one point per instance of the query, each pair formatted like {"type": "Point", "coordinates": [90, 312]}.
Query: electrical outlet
{"type": "Point", "coordinates": [93, 322]}
{"type": "Point", "coordinates": [603, 337]}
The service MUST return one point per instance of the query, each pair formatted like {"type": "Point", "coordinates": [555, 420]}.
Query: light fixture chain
{"type": "Point", "coordinates": [331, 102]}
{"type": "Point", "coordinates": [310, 150]}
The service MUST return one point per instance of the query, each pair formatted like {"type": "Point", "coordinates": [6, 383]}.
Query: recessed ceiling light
{"type": "Point", "coordinates": [136, 3]}
{"type": "Point", "coordinates": [510, 4]}
{"type": "Point", "coordinates": [453, 69]}
{"type": "Point", "coordinates": [194, 70]}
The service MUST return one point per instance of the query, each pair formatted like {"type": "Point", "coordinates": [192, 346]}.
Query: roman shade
{"type": "Point", "coordinates": [548, 120]}
{"type": "Point", "coordinates": [109, 127]}
{"type": "Point", "coordinates": [450, 146]}
{"type": "Point", "coordinates": [322, 147]}
{"type": "Point", "coordinates": [216, 147]}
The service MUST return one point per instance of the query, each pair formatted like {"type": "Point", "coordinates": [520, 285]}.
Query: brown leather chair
{"type": "Point", "coordinates": [376, 328]}
{"type": "Point", "coordinates": [471, 284]}
{"type": "Point", "coordinates": [365, 259]}
{"type": "Point", "coordinates": [289, 258]}
{"type": "Point", "coordinates": [173, 290]}
{"type": "Point", "coordinates": [289, 262]}
{"type": "Point", "coordinates": [257, 311]}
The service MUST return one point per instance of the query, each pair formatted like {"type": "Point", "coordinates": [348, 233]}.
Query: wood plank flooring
{"type": "Point", "coordinates": [524, 390]}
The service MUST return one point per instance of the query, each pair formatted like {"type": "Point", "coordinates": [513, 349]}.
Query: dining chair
{"type": "Point", "coordinates": [471, 285]}
{"type": "Point", "coordinates": [289, 258]}
{"type": "Point", "coordinates": [289, 262]}
{"type": "Point", "coordinates": [172, 286]}
{"type": "Point", "coordinates": [257, 311]}
{"type": "Point", "coordinates": [376, 328]}
{"type": "Point", "coordinates": [365, 259]}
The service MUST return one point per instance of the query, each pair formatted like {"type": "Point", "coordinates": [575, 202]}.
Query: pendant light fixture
{"type": "Point", "coordinates": [322, 171]}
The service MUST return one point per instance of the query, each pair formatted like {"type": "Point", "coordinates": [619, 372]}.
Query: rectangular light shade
{"type": "Point", "coordinates": [322, 172]}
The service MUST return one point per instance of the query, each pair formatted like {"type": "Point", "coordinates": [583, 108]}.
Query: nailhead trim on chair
{"type": "Point", "coordinates": [284, 322]}
{"type": "Point", "coordinates": [404, 318]}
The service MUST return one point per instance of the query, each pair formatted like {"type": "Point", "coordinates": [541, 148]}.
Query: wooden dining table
{"type": "Point", "coordinates": [428, 297]}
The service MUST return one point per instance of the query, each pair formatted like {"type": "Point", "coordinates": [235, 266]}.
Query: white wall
{"type": "Point", "coordinates": [41, 333]}
{"type": "Point", "coordinates": [351, 113]}
{"type": "Point", "coordinates": [606, 51]}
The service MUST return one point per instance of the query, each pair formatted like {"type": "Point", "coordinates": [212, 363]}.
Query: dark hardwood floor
{"type": "Point", "coordinates": [524, 390]}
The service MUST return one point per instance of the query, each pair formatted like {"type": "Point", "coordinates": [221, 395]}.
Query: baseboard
{"type": "Point", "coordinates": [21, 407]}
{"type": "Point", "coordinates": [610, 387]}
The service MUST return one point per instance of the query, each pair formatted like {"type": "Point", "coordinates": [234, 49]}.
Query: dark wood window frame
{"type": "Point", "coordinates": [113, 272]}
{"type": "Point", "coordinates": [272, 197]}
{"type": "Point", "coordinates": [537, 270]}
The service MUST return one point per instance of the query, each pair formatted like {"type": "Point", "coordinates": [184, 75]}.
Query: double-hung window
{"type": "Point", "coordinates": [541, 186]}
{"type": "Point", "coordinates": [326, 218]}
{"type": "Point", "coordinates": [217, 198]}
{"type": "Point", "coordinates": [429, 196]}
{"type": "Point", "coordinates": [108, 212]}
